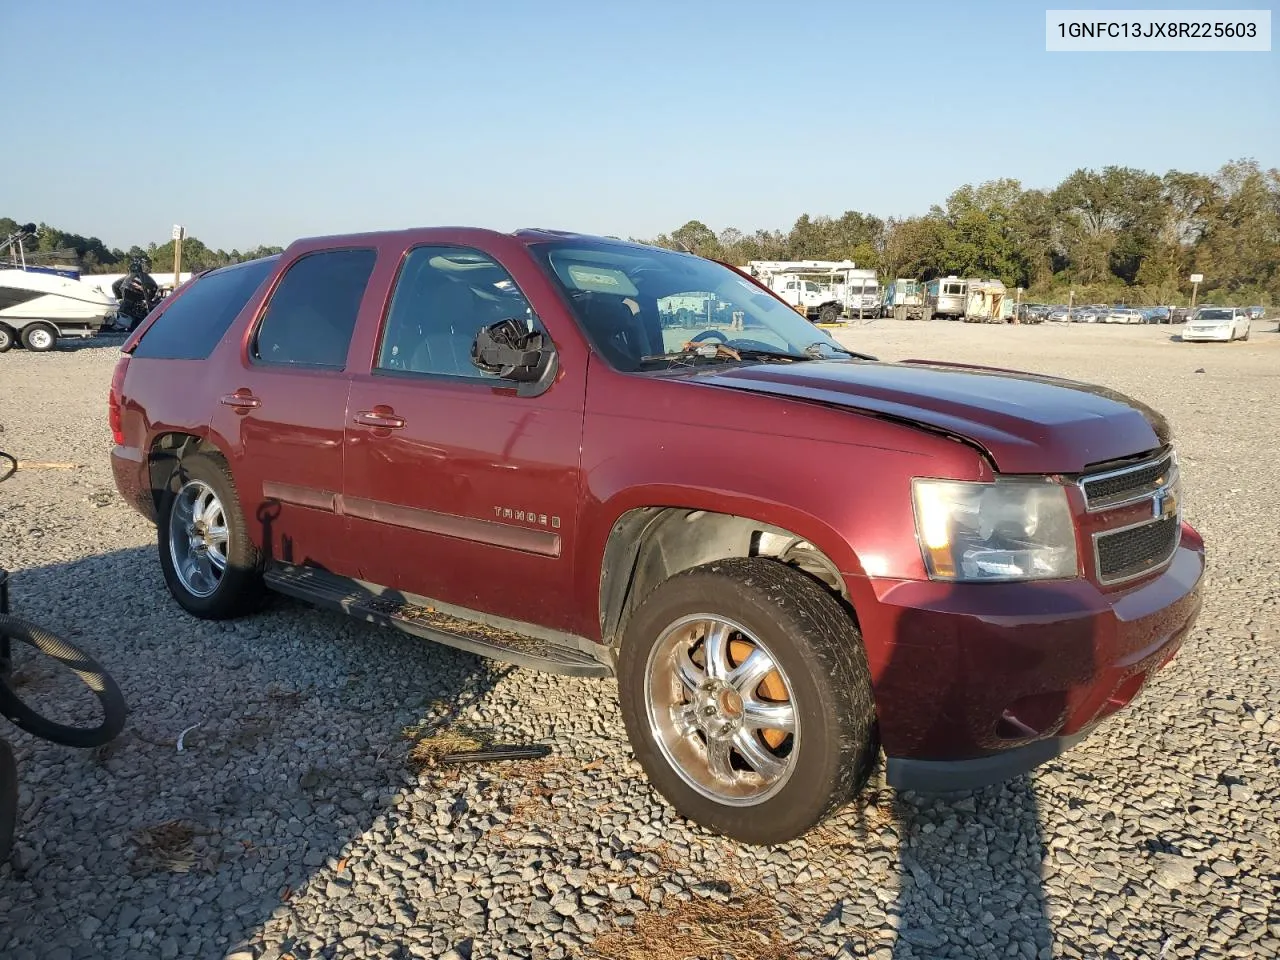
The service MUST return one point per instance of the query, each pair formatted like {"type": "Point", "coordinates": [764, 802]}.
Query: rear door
{"type": "Point", "coordinates": [283, 401]}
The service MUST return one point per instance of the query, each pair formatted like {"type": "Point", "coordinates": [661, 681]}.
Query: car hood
{"type": "Point", "coordinates": [1025, 422]}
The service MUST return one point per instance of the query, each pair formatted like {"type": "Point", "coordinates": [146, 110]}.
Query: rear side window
{"type": "Point", "coordinates": [311, 315]}
{"type": "Point", "coordinates": [198, 318]}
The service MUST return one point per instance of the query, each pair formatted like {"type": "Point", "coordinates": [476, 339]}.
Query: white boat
{"type": "Point", "coordinates": [40, 305]}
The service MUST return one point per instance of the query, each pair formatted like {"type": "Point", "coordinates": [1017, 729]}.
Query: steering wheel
{"type": "Point", "coordinates": [709, 335]}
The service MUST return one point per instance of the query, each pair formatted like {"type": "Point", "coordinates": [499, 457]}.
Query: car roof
{"type": "Point", "coordinates": [457, 233]}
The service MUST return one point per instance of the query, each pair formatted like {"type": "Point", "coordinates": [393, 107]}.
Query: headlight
{"type": "Point", "coordinates": [1008, 530]}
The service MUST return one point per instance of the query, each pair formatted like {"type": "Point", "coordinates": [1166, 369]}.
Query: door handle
{"type": "Point", "coordinates": [242, 401]}
{"type": "Point", "coordinates": [380, 416]}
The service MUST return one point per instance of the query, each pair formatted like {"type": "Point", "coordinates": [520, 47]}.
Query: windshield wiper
{"type": "Point", "coordinates": [815, 350]}
{"type": "Point", "coordinates": [724, 353]}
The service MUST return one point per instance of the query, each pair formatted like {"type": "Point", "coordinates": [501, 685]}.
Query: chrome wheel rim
{"type": "Point", "coordinates": [198, 538]}
{"type": "Point", "coordinates": [40, 339]}
{"type": "Point", "coordinates": [721, 710]}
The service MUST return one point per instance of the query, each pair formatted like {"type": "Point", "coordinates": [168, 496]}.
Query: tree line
{"type": "Point", "coordinates": [1114, 235]}
{"type": "Point", "coordinates": [91, 255]}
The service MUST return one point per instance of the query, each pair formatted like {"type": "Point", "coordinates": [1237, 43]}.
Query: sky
{"type": "Point", "coordinates": [258, 123]}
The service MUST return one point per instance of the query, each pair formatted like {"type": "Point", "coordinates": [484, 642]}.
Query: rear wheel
{"type": "Point", "coordinates": [39, 337]}
{"type": "Point", "coordinates": [210, 565]}
{"type": "Point", "coordinates": [830, 313]}
{"type": "Point", "coordinates": [7, 339]}
{"type": "Point", "coordinates": [746, 694]}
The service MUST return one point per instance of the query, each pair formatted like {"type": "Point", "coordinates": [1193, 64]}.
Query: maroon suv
{"type": "Point", "coordinates": [606, 459]}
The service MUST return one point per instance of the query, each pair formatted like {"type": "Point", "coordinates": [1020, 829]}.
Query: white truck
{"type": "Point", "coordinates": [823, 290]}
{"type": "Point", "coordinates": [904, 300]}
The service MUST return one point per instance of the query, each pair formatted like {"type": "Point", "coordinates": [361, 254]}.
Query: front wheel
{"type": "Point", "coordinates": [210, 565]}
{"type": "Point", "coordinates": [747, 699]}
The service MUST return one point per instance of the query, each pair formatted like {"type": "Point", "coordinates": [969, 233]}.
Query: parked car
{"type": "Point", "coordinates": [791, 556]}
{"type": "Point", "coordinates": [1257, 313]}
{"type": "Point", "coordinates": [1217, 323]}
{"type": "Point", "coordinates": [1033, 313]}
{"type": "Point", "coordinates": [1122, 315]}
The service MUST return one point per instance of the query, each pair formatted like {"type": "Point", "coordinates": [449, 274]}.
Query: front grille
{"type": "Point", "coordinates": [1128, 484]}
{"type": "Point", "coordinates": [1130, 552]}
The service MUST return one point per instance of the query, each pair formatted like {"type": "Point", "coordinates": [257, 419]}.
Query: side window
{"type": "Point", "coordinates": [191, 326]}
{"type": "Point", "coordinates": [443, 297]}
{"type": "Point", "coordinates": [311, 315]}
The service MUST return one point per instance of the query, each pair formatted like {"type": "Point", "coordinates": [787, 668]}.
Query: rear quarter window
{"type": "Point", "coordinates": [191, 326]}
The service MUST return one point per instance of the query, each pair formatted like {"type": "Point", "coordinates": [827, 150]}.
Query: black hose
{"type": "Point", "coordinates": [8, 800]}
{"type": "Point", "coordinates": [8, 471]}
{"type": "Point", "coordinates": [114, 709]}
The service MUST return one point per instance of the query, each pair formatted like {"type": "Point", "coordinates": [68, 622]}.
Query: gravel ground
{"type": "Point", "coordinates": [292, 823]}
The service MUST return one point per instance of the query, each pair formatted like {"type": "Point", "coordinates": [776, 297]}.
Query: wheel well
{"type": "Point", "coordinates": [166, 450]}
{"type": "Point", "coordinates": [650, 544]}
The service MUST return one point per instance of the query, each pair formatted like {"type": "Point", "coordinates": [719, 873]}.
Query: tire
{"type": "Point", "coordinates": [821, 675]}
{"type": "Point", "coordinates": [7, 339]}
{"type": "Point", "coordinates": [829, 314]}
{"type": "Point", "coordinates": [39, 337]}
{"type": "Point", "coordinates": [1245, 338]}
{"type": "Point", "coordinates": [98, 680]}
{"type": "Point", "coordinates": [227, 583]}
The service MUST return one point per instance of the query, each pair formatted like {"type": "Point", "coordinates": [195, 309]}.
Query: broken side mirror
{"type": "Point", "coordinates": [512, 350]}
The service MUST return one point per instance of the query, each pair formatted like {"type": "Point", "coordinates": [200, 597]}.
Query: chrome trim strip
{"type": "Point", "coordinates": [540, 542]}
{"type": "Point", "coordinates": [300, 496]}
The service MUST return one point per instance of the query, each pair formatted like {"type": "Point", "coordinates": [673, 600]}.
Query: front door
{"type": "Point", "coordinates": [456, 488]}
{"type": "Point", "coordinates": [283, 408]}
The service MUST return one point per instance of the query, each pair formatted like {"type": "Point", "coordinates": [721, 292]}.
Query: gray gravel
{"type": "Point", "coordinates": [290, 823]}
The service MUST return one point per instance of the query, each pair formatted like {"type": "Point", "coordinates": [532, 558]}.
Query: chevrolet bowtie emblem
{"type": "Point", "coordinates": [1165, 504]}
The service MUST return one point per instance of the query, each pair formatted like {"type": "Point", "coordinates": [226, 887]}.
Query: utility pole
{"type": "Point", "coordinates": [1017, 308]}
{"type": "Point", "coordinates": [1071, 299]}
{"type": "Point", "coordinates": [178, 233]}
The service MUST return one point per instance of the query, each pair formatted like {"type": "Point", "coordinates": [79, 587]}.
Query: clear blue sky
{"type": "Point", "coordinates": [261, 122]}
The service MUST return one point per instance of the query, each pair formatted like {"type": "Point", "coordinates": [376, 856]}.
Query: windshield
{"type": "Point", "coordinates": [1215, 315]}
{"type": "Point", "coordinates": [636, 302]}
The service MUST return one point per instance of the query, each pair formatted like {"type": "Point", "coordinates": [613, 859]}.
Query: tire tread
{"type": "Point", "coordinates": [831, 648]}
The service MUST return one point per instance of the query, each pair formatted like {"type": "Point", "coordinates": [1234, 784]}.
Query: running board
{"type": "Point", "coordinates": [489, 637]}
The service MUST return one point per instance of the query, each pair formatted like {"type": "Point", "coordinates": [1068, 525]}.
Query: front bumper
{"type": "Point", "coordinates": [1214, 335]}
{"type": "Point", "coordinates": [977, 683]}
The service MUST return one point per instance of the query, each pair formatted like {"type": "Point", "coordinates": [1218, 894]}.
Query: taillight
{"type": "Point", "coordinates": [113, 402]}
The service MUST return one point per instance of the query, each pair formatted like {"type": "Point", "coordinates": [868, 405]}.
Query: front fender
{"type": "Point", "coordinates": [836, 478]}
